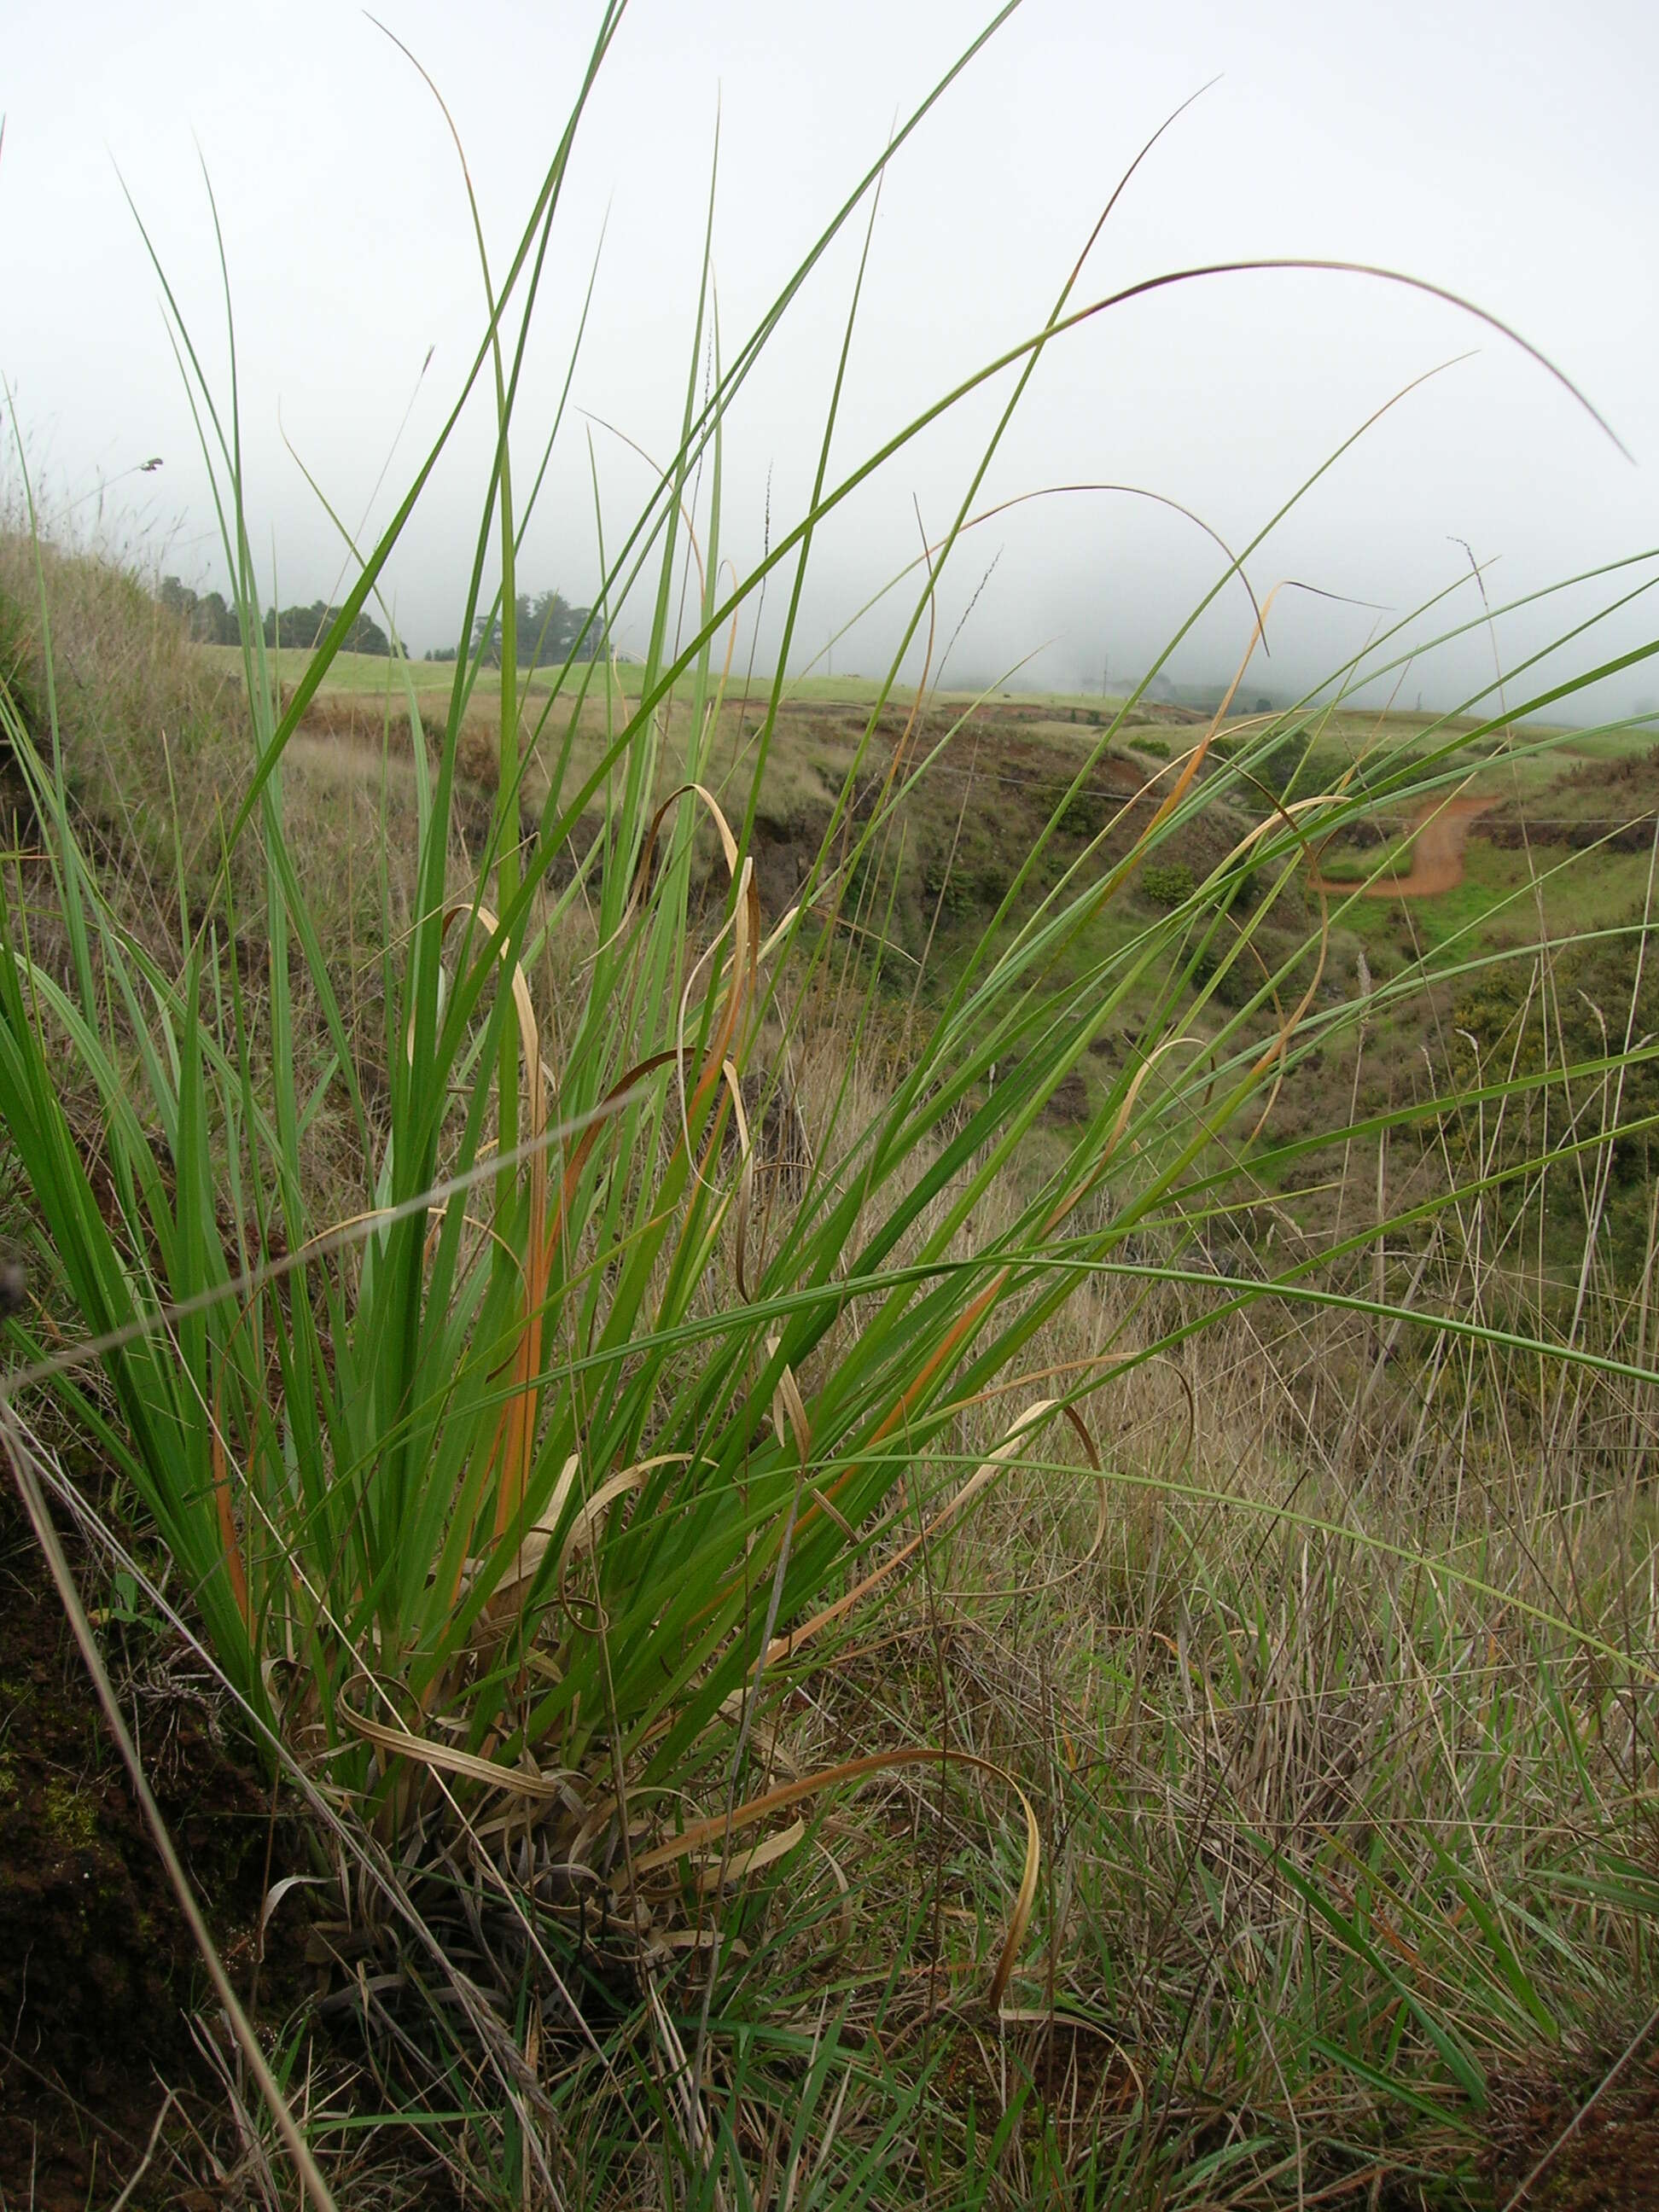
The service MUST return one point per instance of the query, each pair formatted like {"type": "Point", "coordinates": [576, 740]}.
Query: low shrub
{"type": "Point", "coordinates": [1167, 883]}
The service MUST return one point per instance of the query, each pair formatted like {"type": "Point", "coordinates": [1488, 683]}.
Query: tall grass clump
{"type": "Point", "coordinates": [509, 1487]}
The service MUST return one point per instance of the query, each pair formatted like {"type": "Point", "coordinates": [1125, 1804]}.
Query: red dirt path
{"type": "Point", "coordinates": [1439, 833]}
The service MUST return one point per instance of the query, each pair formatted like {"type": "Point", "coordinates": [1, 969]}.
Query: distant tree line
{"type": "Point", "coordinates": [306, 626]}
{"type": "Point", "coordinates": [212, 622]}
{"type": "Point", "coordinates": [204, 614]}
{"type": "Point", "coordinates": [549, 630]}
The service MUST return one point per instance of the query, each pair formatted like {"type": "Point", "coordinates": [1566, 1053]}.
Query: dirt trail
{"type": "Point", "coordinates": [1438, 832]}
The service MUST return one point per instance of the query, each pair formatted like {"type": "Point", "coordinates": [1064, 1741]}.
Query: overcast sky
{"type": "Point", "coordinates": [1504, 151]}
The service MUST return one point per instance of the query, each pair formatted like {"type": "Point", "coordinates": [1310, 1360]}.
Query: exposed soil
{"type": "Point", "coordinates": [97, 1974]}
{"type": "Point", "coordinates": [1438, 835]}
{"type": "Point", "coordinates": [1609, 2163]}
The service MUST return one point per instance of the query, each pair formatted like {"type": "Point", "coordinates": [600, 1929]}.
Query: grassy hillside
{"type": "Point", "coordinates": [1557, 846]}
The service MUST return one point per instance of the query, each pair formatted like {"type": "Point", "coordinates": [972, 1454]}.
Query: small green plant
{"type": "Point", "coordinates": [1081, 812]}
{"type": "Point", "coordinates": [1167, 883]}
{"type": "Point", "coordinates": [947, 888]}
